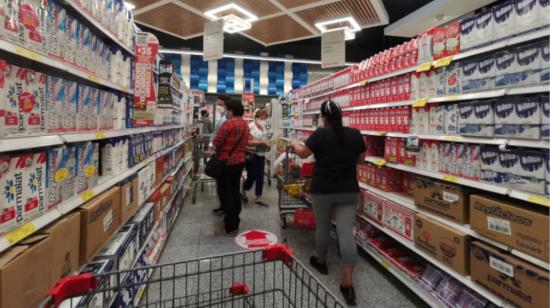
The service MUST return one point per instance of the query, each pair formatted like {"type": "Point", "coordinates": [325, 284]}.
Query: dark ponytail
{"type": "Point", "coordinates": [333, 115]}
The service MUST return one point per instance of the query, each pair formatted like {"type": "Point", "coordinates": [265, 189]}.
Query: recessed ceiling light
{"type": "Point", "coordinates": [129, 6]}
{"type": "Point", "coordinates": [349, 30]}
{"type": "Point", "coordinates": [213, 13]}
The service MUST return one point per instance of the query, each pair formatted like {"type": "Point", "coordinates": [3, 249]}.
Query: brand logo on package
{"type": "Point", "coordinates": [256, 239]}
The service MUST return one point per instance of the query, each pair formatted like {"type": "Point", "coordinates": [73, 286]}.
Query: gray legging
{"type": "Point", "coordinates": [344, 206]}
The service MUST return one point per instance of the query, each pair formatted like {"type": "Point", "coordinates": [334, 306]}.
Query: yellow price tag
{"type": "Point", "coordinates": [445, 61]}
{"type": "Point", "coordinates": [539, 200]}
{"type": "Point", "coordinates": [87, 195]}
{"type": "Point", "coordinates": [451, 138]}
{"type": "Point", "coordinates": [93, 78]}
{"type": "Point", "coordinates": [424, 67]}
{"type": "Point", "coordinates": [380, 162]}
{"type": "Point", "coordinates": [20, 233]}
{"type": "Point", "coordinates": [362, 83]}
{"type": "Point", "coordinates": [385, 264]}
{"type": "Point", "coordinates": [125, 89]}
{"type": "Point", "coordinates": [100, 135]}
{"type": "Point", "coordinates": [421, 102]}
{"type": "Point", "coordinates": [61, 175]}
{"type": "Point", "coordinates": [89, 171]}
{"type": "Point", "coordinates": [450, 178]}
{"type": "Point", "coordinates": [24, 52]}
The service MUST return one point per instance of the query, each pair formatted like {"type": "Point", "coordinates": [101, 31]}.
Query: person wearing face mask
{"type": "Point", "coordinates": [334, 189]}
{"type": "Point", "coordinates": [258, 145]}
{"type": "Point", "coordinates": [221, 103]}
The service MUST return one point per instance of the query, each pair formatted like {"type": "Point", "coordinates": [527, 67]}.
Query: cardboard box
{"type": "Point", "coordinates": [399, 219]}
{"type": "Point", "coordinates": [128, 198]}
{"type": "Point", "coordinates": [122, 249]}
{"type": "Point", "coordinates": [65, 237]}
{"type": "Point", "coordinates": [517, 281]}
{"type": "Point", "coordinates": [444, 243]}
{"type": "Point", "coordinates": [165, 194]}
{"type": "Point", "coordinates": [447, 200]}
{"type": "Point", "coordinates": [373, 207]}
{"type": "Point", "coordinates": [144, 221]}
{"type": "Point", "coordinates": [100, 299]}
{"type": "Point", "coordinates": [25, 272]}
{"type": "Point", "coordinates": [512, 224]}
{"type": "Point", "coordinates": [100, 218]}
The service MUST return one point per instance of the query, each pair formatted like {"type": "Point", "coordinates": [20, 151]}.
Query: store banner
{"type": "Point", "coordinates": [333, 49]}
{"type": "Point", "coordinates": [145, 96]}
{"type": "Point", "coordinates": [213, 40]}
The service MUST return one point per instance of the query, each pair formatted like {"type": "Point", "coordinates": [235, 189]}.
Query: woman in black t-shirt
{"type": "Point", "coordinates": [334, 188]}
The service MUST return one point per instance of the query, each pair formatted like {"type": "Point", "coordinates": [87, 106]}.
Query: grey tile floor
{"type": "Point", "coordinates": [193, 237]}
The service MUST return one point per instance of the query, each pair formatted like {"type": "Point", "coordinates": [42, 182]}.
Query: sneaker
{"type": "Point", "coordinates": [349, 295]}
{"type": "Point", "coordinates": [218, 212]}
{"type": "Point", "coordinates": [261, 203]}
{"type": "Point", "coordinates": [322, 268]}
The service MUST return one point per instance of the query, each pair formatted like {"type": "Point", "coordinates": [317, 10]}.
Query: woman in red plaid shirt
{"type": "Point", "coordinates": [230, 145]}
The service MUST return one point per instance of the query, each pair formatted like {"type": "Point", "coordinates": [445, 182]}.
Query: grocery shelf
{"type": "Point", "coordinates": [530, 197]}
{"type": "Point", "coordinates": [97, 25]}
{"type": "Point", "coordinates": [311, 112]}
{"type": "Point", "coordinates": [463, 279]}
{"type": "Point", "coordinates": [10, 238]}
{"type": "Point", "coordinates": [403, 277]}
{"type": "Point", "coordinates": [377, 106]}
{"type": "Point", "coordinates": [59, 65]}
{"type": "Point", "coordinates": [29, 142]}
{"type": "Point", "coordinates": [542, 144]}
{"type": "Point", "coordinates": [408, 202]}
{"type": "Point", "coordinates": [468, 96]}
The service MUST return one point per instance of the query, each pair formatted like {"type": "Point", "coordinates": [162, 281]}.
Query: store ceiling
{"type": "Point", "coordinates": [279, 21]}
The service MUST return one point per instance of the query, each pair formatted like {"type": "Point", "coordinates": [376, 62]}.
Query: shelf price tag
{"type": "Point", "coordinates": [385, 264]}
{"type": "Point", "coordinates": [445, 61]}
{"type": "Point", "coordinates": [424, 67]}
{"type": "Point", "coordinates": [362, 83]}
{"type": "Point", "coordinates": [421, 102]}
{"type": "Point", "coordinates": [93, 78]}
{"type": "Point", "coordinates": [450, 178]}
{"type": "Point", "coordinates": [451, 138]}
{"type": "Point", "coordinates": [20, 233]}
{"type": "Point", "coordinates": [87, 195]}
{"type": "Point", "coordinates": [451, 98]}
{"type": "Point", "coordinates": [24, 52]}
{"type": "Point", "coordinates": [379, 162]}
{"type": "Point", "coordinates": [100, 135]}
{"type": "Point", "coordinates": [539, 200]}
{"type": "Point", "coordinates": [61, 175]}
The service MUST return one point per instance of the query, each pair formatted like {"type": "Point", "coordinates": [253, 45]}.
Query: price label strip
{"type": "Point", "coordinates": [451, 138]}
{"type": "Point", "coordinates": [24, 52]}
{"type": "Point", "coordinates": [20, 233]}
{"type": "Point", "coordinates": [539, 200]}
{"type": "Point", "coordinates": [100, 135]}
{"type": "Point", "coordinates": [87, 195]}
{"type": "Point", "coordinates": [421, 102]}
{"type": "Point", "coordinates": [445, 61]}
{"type": "Point", "coordinates": [424, 67]}
{"type": "Point", "coordinates": [380, 162]}
{"type": "Point", "coordinates": [450, 178]}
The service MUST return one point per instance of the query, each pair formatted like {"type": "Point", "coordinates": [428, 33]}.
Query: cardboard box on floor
{"type": "Point", "coordinates": [447, 200]}
{"type": "Point", "coordinates": [518, 281]}
{"type": "Point", "coordinates": [100, 218]}
{"type": "Point", "coordinates": [65, 237]}
{"type": "Point", "coordinates": [128, 198]}
{"type": "Point", "coordinates": [513, 224]}
{"type": "Point", "coordinates": [25, 272]}
{"type": "Point", "coordinates": [444, 243]}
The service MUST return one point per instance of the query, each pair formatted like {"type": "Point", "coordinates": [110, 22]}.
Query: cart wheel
{"type": "Point", "coordinates": [284, 223]}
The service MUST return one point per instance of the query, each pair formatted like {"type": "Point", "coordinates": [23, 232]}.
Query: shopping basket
{"type": "Point", "coordinates": [271, 277]}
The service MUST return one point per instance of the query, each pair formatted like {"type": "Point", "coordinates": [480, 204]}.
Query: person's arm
{"type": "Point", "coordinates": [301, 149]}
{"type": "Point", "coordinates": [220, 137]}
{"type": "Point", "coordinates": [217, 128]}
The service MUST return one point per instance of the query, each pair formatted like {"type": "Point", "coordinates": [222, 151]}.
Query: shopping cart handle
{"type": "Point", "coordinates": [71, 286]}
{"type": "Point", "coordinates": [278, 252]}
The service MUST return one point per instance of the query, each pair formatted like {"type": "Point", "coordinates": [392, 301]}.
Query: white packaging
{"type": "Point", "coordinates": [84, 108]}
{"type": "Point", "coordinates": [122, 249]}
{"type": "Point", "coordinates": [425, 85]}
{"type": "Point", "coordinates": [108, 156]}
{"type": "Point", "coordinates": [87, 165]}
{"type": "Point", "coordinates": [543, 8]}
{"type": "Point", "coordinates": [469, 75]}
{"type": "Point", "coordinates": [504, 18]}
{"type": "Point", "coordinates": [55, 104]}
{"type": "Point", "coordinates": [437, 119]}
{"type": "Point", "coordinates": [527, 15]}
{"type": "Point", "coordinates": [480, 122]}
{"type": "Point", "coordinates": [84, 46]}
{"type": "Point", "coordinates": [70, 106]}
{"type": "Point", "coordinates": [10, 27]}
{"type": "Point", "coordinates": [34, 185]}
{"type": "Point", "coordinates": [466, 113]}
{"type": "Point", "coordinates": [518, 117]}
{"type": "Point", "coordinates": [8, 202]}
{"type": "Point", "coordinates": [468, 33]}
{"type": "Point", "coordinates": [505, 62]}
{"type": "Point", "coordinates": [458, 159]}
{"type": "Point", "coordinates": [545, 61]}
{"type": "Point", "coordinates": [472, 162]}
{"type": "Point", "coordinates": [35, 110]}
{"type": "Point", "coordinates": [93, 123]}
{"type": "Point", "coordinates": [451, 119]}
{"type": "Point", "coordinates": [14, 117]}
{"type": "Point", "coordinates": [489, 158]}
{"type": "Point", "coordinates": [486, 69]}
{"type": "Point", "coordinates": [545, 116]}
{"type": "Point", "coordinates": [508, 162]}
{"type": "Point", "coordinates": [485, 26]}
{"type": "Point", "coordinates": [71, 43]}
{"type": "Point", "coordinates": [415, 86]}
{"type": "Point", "coordinates": [527, 66]}
{"type": "Point", "coordinates": [530, 174]}
{"type": "Point", "coordinates": [421, 120]}
{"type": "Point", "coordinates": [435, 158]}
{"type": "Point", "coordinates": [439, 78]}
{"type": "Point", "coordinates": [425, 47]}
{"type": "Point", "coordinates": [454, 78]}
{"type": "Point", "coordinates": [445, 149]}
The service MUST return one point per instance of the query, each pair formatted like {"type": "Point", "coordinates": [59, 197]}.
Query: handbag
{"type": "Point", "coordinates": [214, 166]}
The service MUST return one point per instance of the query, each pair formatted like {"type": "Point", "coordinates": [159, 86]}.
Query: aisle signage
{"type": "Point", "coordinates": [145, 96]}
{"type": "Point", "coordinates": [256, 239]}
{"type": "Point", "coordinates": [212, 41]}
{"type": "Point", "coordinates": [333, 49]}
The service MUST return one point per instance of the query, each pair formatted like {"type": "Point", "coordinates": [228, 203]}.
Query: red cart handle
{"type": "Point", "coordinates": [71, 286]}
{"type": "Point", "coordinates": [278, 252]}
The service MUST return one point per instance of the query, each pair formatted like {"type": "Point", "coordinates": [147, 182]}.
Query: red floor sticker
{"type": "Point", "coordinates": [255, 239]}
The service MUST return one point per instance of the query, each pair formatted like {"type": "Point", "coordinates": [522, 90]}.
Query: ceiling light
{"type": "Point", "coordinates": [213, 13]}
{"type": "Point", "coordinates": [349, 30]}
{"type": "Point", "coordinates": [129, 6]}
{"type": "Point", "coordinates": [234, 24]}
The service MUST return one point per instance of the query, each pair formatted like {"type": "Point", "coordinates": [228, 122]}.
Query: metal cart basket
{"type": "Point", "coordinates": [271, 277]}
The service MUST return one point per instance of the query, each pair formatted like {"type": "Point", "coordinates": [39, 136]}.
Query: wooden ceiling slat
{"type": "Point", "coordinates": [361, 10]}
{"type": "Point", "coordinates": [295, 3]}
{"type": "Point", "coordinates": [277, 29]}
{"type": "Point", "coordinates": [257, 7]}
{"type": "Point", "coordinates": [141, 3]}
{"type": "Point", "coordinates": [173, 18]}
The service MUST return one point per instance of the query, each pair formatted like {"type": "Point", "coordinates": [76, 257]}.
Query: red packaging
{"type": "Point", "coordinates": [406, 119]}
{"type": "Point", "coordinates": [373, 207]}
{"type": "Point", "coordinates": [399, 219]}
{"type": "Point", "coordinates": [400, 146]}
{"type": "Point", "coordinates": [399, 119]}
{"type": "Point", "coordinates": [387, 123]}
{"type": "Point", "coordinates": [394, 90]}
{"type": "Point", "coordinates": [452, 36]}
{"type": "Point", "coordinates": [438, 42]}
{"type": "Point", "coordinates": [409, 159]}
{"type": "Point", "coordinates": [387, 149]}
{"type": "Point", "coordinates": [407, 183]}
{"type": "Point", "coordinates": [371, 175]}
{"type": "Point", "coordinates": [393, 119]}
{"type": "Point", "coordinates": [375, 119]}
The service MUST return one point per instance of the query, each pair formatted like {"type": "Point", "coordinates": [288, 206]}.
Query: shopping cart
{"type": "Point", "coordinates": [200, 155]}
{"type": "Point", "coordinates": [261, 278]}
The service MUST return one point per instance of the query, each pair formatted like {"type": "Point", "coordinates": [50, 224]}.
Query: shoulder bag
{"type": "Point", "coordinates": [214, 166]}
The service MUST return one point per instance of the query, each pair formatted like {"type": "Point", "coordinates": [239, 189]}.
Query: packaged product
{"type": "Point", "coordinates": [543, 7]}
{"type": "Point", "coordinates": [545, 116]}
{"type": "Point", "coordinates": [57, 30]}
{"type": "Point", "coordinates": [454, 77]}
{"type": "Point", "coordinates": [35, 102]}
{"type": "Point", "coordinates": [527, 15]}
{"type": "Point", "coordinates": [472, 162]}
{"type": "Point", "coordinates": [445, 149]}
{"type": "Point", "coordinates": [451, 119]}
{"type": "Point", "coordinates": [34, 184]}
{"type": "Point", "coordinates": [505, 61]}
{"type": "Point", "coordinates": [71, 43]}
{"type": "Point", "coordinates": [437, 119]}
{"type": "Point", "coordinates": [518, 117]}
{"type": "Point", "coordinates": [468, 33]}
{"type": "Point", "coordinates": [16, 101]}
{"type": "Point", "coordinates": [55, 104]}
{"type": "Point", "coordinates": [526, 68]}
{"type": "Point", "coordinates": [529, 174]}
{"type": "Point", "coordinates": [504, 16]}
{"type": "Point", "coordinates": [87, 165]}
{"type": "Point", "coordinates": [438, 42]}
{"type": "Point", "coordinates": [10, 27]}
{"type": "Point", "coordinates": [61, 174]}
{"type": "Point", "coordinates": [9, 208]}
{"type": "Point", "coordinates": [545, 61]}
{"type": "Point", "coordinates": [70, 106]}
{"type": "Point", "coordinates": [485, 26]}
{"type": "Point", "coordinates": [452, 38]}
{"type": "Point", "coordinates": [84, 108]}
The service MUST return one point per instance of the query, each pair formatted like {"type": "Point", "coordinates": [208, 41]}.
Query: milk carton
{"type": "Point", "coordinates": [35, 117]}
{"type": "Point", "coordinates": [57, 37]}
{"type": "Point", "coordinates": [545, 116]}
{"type": "Point", "coordinates": [8, 202]}
{"type": "Point", "coordinates": [84, 47]}
{"type": "Point", "coordinates": [415, 86]}
{"type": "Point", "coordinates": [543, 7]}
{"type": "Point", "coordinates": [61, 173]}
{"type": "Point", "coordinates": [490, 167]}
{"type": "Point", "coordinates": [93, 117]}
{"type": "Point", "coordinates": [16, 101]}
{"type": "Point", "coordinates": [122, 248]}
{"type": "Point", "coordinates": [469, 70]}
{"type": "Point", "coordinates": [527, 66]}
{"type": "Point", "coordinates": [477, 119]}
{"type": "Point", "coordinates": [531, 174]}
{"type": "Point", "coordinates": [505, 64]}
{"type": "Point", "coordinates": [445, 149]}
{"type": "Point", "coordinates": [454, 78]}
{"type": "Point", "coordinates": [527, 15]}
{"type": "Point", "coordinates": [87, 165]}
{"type": "Point", "coordinates": [10, 28]}
{"type": "Point", "coordinates": [421, 119]}
{"type": "Point", "coordinates": [55, 104]}
{"type": "Point", "coordinates": [71, 43]}
{"type": "Point", "coordinates": [437, 119]}
{"type": "Point", "coordinates": [435, 158]}
{"type": "Point", "coordinates": [451, 119]}
{"type": "Point", "coordinates": [478, 74]}
{"type": "Point", "coordinates": [458, 155]}
{"type": "Point", "coordinates": [485, 26]}
{"type": "Point", "coordinates": [33, 20]}
{"type": "Point", "coordinates": [84, 108]}
{"type": "Point", "coordinates": [545, 61]}
{"type": "Point", "coordinates": [34, 188]}
{"type": "Point", "coordinates": [70, 106]}
{"type": "Point", "coordinates": [472, 162]}
{"type": "Point", "coordinates": [468, 33]}
{"type": "Point", "coordinates": [439, 83]}
{"type": "Point", "coordinates": [518, 117]}
{"type": "Point", "coordinates": [504, 17]}
{"type": "Point", "coordinates": [14, 198]}
{"type": "Point", "coordinates": [508, 162]}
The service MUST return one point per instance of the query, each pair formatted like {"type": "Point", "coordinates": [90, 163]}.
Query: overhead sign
{"type": "Point", "coordinates": [213, 40]}
{"type": "Point", "coordinates": [333, 49]}
{"type": "Point", "coordinates": [255, 239]}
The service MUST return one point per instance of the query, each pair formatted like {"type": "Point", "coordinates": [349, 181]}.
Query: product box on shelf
{"type": "Point", "coordinates": [545, 116]}
{"type": "Point", "coordinates": [490, 166]}
{"type": "Point", "coordinates": [65, 237]}
{"type": "Point", "coordinates": [70, 106]}
{"type": "Point", "coordinates": [513, 224]}
{"type": "Point", "coordinates": [468, 33]}
{"type": "Point", "coordinates": [447, 200]}
{"type": "Point", "coordinates": [100, 218]}
{"type": "Point", "coordinates": [452, 38]}
{"type": "Point", "coordinates": [156, 199]}
{"type": "Point", "coordinates": [33, 168]}
{"type": "Point", "coordinates": [485, 26]}
{"type": "Point", "coordinates": [399, 219]}
{"type": "Point", "coordinates": [545, 60]}
{"type": "Point", "coordinates": [472, 162]}
{"type": "Point", "coordinates": [518, 117]}
{"type": "Point", "coordinates": [105, 282]}
{"type": "Point", "coordinates": [530, 172]}
{"type": "Point", "coordinates": [373, 207]}
{"type": "Point", "coordinates": [128, 198]}
{"type": "Point", "coordinates": [122, 249]}
{"type": "Point", "coordinates": [442, 242]}
{"type": "Point", "coordinates": [13, 103]}
{"type": "Point", "coordinates": [55, 104]}
{"type": "Point", "coordinates": [144, 220]}
{"type": "Point", "coordinates": [504, 16]}
{"type": "Point", "coordinates": [25, 272]}
{"type": "Point", "coordinates": [517, 281]}
{"type": "Point", "coordinates": [61, 174]}
{"type": "Point", "coordinates": [165, 194]}
{"type": "Point", "coordinates": [34, 102]}
{"type": "Point", "coordinates": [527, 15]}
{"type": "Point", "coordinates": [84, 108]}
{"type": "Point", "coordinates": [476, 119]}
{"type": "Point", "coordinates": [87, 161]}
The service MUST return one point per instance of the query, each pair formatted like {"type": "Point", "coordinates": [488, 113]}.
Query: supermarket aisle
{"type": "Point", "coordinates": [193, 236]}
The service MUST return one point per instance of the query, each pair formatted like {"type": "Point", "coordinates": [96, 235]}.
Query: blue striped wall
{"type": "Point", "coordinates": [251, 70]}
{"type": "Point", "coordinates": [199, 74]}
{"type": "Point", "coordinates": [276, 77]}
{"type": "Point", "coordinates": [226, 75]}
{"type": "Point", "coordinates": [299, 75]}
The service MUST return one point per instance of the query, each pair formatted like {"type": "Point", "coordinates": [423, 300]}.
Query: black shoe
{"type": "Point", "coordinates": [218, 212]}
{"type": "Point", "coordinates": [261, 203]}
{"type": "Point", "coordinates": [349, 295]}
{"type": "Point", "coordinates": [232, 233]}
{"type": "Point", "coordinates": [244, 198]}
{"type": "Point", "coordinates": [322, 268]}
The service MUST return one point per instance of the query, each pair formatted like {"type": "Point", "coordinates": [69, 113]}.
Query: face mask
{"type": "Point", "coordinates": [261, 123]}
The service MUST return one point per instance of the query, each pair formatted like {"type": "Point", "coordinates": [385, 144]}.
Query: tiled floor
{"type": "Point", "coordinates": [193, 237]}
